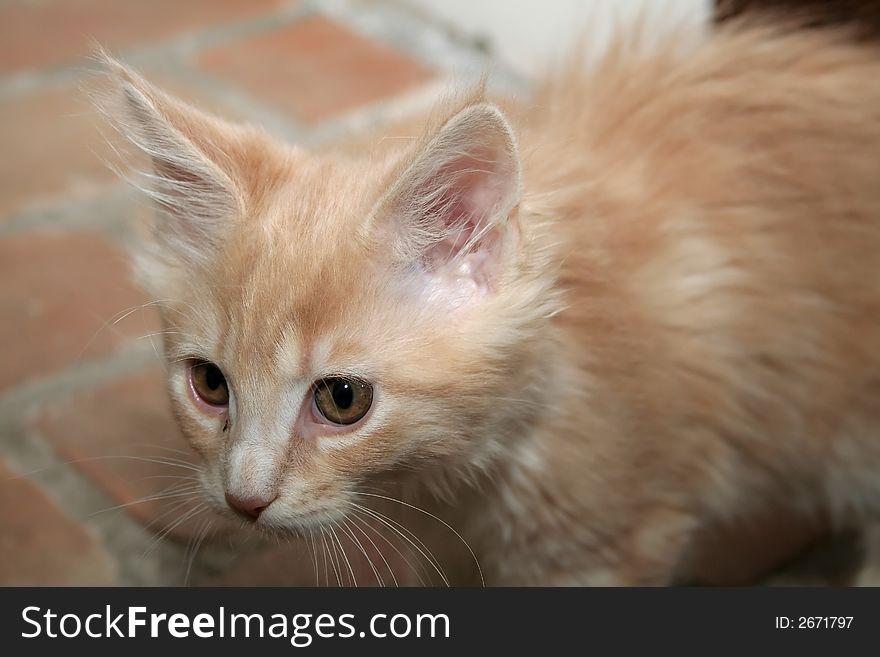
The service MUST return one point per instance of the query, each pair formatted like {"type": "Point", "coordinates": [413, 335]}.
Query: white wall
{"type": "Point", "coordinates": [526, 33]}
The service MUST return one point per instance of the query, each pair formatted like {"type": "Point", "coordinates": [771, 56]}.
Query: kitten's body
{"type": "Point", "coordinates": [719, 218]}
{"type": "Point", "coordinates": [675, 319]}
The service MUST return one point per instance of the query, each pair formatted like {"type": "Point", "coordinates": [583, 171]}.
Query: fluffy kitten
{"type": "Point", "coordinates": [645, 302]}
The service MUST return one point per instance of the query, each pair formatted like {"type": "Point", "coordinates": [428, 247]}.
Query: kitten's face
{"type": "Point", "coordinates": [335, 368]}
{"type": "Point", "coordinates": [332, 323]}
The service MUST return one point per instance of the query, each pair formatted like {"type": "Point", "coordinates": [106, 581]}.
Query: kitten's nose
{"type": "Point", "coordinates": [250, 507]}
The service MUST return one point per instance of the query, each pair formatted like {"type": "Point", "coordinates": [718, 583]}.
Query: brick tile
{"type": "Point", "coordinates": [53, 144]}
{"type": "Point", "coordinates": [315, 69]}
{"type": "Point", "coordinates": [111, 435]}
{"type": "Point", "coordinates": [57, 295]}
{"type": "Point", "coordinates": [50, 32]}
{"type": "Point", "coordinates": [40, 546]}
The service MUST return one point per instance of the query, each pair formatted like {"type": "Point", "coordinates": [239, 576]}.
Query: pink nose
{"type": "Point", "coordinates": [250, 507]}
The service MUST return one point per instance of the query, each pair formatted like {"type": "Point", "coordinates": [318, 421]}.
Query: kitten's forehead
{"type": "Point", "coordinates": [296, 357]}
{"type": "Point", "coordinates": [296, 279]}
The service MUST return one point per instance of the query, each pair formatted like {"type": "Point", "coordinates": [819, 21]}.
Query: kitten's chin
{"type": "Point", "coordinates": [299, 526]}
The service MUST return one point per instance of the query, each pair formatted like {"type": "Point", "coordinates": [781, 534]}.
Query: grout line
{"type": "Point", "coordinates": [179, 46]}
{"type": "Point", "coordinates": [251, 109]}
{"type": "Point", "coordinates": [77, 496]}
{"type": "Point", "coordinates": [110, 211]}
{"type": "Point", "coordinates": [424, 38]}
{"type": "Point", "coordinates": [31, 455]}
{"type": "Point", "coordinates": [24, 399]}
{"type": "Point", "coordinates": [385, 111]}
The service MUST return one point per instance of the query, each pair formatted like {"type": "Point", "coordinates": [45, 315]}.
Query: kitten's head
{"type": "Point", "coordinates": [332, 322]}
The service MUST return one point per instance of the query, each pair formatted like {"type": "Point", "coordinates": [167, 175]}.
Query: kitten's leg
{"type": "Point", "coordinates": [650, 554]}
{"type": "Point", "coordinates": [658, 548]}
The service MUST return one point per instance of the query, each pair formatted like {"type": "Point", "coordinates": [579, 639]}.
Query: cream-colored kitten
{"type": "Point", "coordinates": [646, 302]}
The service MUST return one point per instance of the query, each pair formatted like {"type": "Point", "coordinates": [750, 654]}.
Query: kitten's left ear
{"type": "Point", "coordinates": [449, 210]}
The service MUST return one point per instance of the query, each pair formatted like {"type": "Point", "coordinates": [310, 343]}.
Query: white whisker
{"type": "Point", "coordinates": [441, 521]}
{"type": "Point", "coordinates": [402, 532]}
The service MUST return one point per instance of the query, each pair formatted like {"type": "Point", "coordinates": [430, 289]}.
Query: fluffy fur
{"type": "Point", "coordinates": [645, 302]}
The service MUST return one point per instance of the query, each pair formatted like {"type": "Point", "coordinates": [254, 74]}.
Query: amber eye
{"type": "Point", "coordinates": [209, 383]}
{"type": "Point", "coordinates": [343, 401]}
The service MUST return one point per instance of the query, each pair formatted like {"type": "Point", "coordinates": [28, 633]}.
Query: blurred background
{"type": "Point", "coordinates": [95, 484]}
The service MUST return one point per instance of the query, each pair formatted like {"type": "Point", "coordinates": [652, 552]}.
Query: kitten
{"type": "Point", "coordinates": [579, 332]}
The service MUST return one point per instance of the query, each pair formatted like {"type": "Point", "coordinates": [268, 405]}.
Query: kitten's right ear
{"type": "Point", "coordinates": [191, 183]}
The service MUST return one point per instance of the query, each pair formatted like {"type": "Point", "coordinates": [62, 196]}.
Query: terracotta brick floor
{"type": "Point", "coordinates": [87, 442]}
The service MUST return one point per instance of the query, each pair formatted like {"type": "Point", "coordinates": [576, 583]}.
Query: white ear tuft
{"type": "Point", "coordinates": [449, 209]}
{"type": "Point", "coordinates": [195, 197]}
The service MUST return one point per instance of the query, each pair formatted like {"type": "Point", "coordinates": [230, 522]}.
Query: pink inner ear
{"type": "Point", "coordinates": [470, 194]}
{"type": "Point", "coordinates": [452, 204]}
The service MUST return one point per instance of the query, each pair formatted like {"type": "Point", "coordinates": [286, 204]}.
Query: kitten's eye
{"type": "Point", "coordinates": [209, 383]}
{"type": "Point", "coordinates": [343, 401]}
